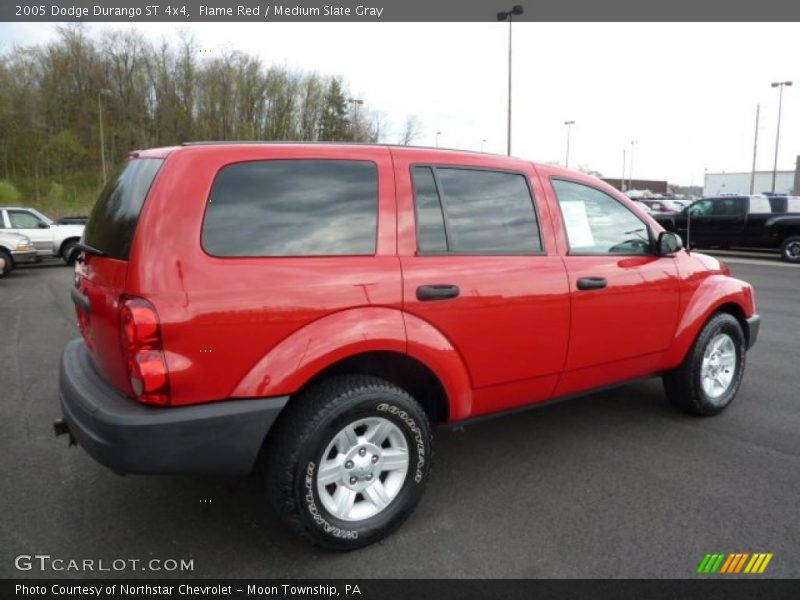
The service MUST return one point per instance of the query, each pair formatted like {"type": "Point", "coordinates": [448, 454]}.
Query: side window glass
{"type": "Point", "coordinates": [293, 208]}
{"type": "Point", "coordinates": [474, 211]}
{"type": "Point", "coordinates": [430, 221]}
{"type": "Point", "coordinates": [701, 208]}
{"type": "Point", "coordinates": [23, 220]}
{"type": "Point", "coordinates": [597, 223]}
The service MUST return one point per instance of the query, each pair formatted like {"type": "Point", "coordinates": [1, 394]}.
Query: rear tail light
{"type": "Point", "coordinates": [140, 332]}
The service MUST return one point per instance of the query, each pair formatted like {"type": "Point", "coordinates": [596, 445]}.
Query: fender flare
{"type": "Point", "coordinates": [305, 353]}
{"type": "Point", "coordinates": [712, 293]}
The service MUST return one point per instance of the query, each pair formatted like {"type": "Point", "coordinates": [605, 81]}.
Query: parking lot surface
{"type": "Point", "coordinates": [615, 484]}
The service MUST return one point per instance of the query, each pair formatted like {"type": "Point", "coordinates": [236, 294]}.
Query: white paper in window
{"type": "Point", "coordinates": [577, 223]}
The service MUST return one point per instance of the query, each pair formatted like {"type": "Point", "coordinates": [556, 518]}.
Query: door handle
{"type": "Point", "coordinates": [592, 283]}
{"type": "Point", "coordinates": [437, 292]}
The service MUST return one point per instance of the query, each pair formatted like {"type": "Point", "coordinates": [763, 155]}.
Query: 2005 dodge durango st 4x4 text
{"type": "Point", "coordinates": [320, 307]}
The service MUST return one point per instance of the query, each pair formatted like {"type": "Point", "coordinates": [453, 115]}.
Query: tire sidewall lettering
{"type": "Point", "coordinates": [416, 433]}
{"type": "Point", "coordinates": [314, 512]}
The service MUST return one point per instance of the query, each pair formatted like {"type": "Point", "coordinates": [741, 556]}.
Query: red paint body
{"type": "Point", "coordinates": [519, 333]}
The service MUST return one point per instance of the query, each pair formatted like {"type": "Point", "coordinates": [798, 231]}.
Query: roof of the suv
{"type": "Point", "coordinates": [186, 146]}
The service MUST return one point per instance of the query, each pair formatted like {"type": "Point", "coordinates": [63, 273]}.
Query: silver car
{"type": "Point", "coordinates": [15, 249]}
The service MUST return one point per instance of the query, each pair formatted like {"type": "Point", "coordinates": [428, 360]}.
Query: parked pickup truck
{"type": "Point", "coordinates": [741, 221]}
{"type": "Point", "coordinates": [48, 237]}
{"type": "Point", "coordinates": [318, 308]}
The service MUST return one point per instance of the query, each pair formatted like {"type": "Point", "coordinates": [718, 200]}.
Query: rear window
{"type": "Point", "coordinates": [113, 220]}
{"type": "Point", "coordinates": [293, 208]}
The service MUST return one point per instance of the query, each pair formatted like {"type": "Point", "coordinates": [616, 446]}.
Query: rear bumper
{"type": "Point", "coordinates": [753, 325]}
{"type": "Point", "coordinates": [128, 437]}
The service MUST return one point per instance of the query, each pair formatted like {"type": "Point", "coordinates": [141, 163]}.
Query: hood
{"type": "Point", "coordinates": [711, 264]}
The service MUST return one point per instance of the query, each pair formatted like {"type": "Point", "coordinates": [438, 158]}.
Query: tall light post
{"type": "Point", "coordinates": [508, 15]}
{"type": "Point", "coordinates": [780, 85]}
{"type": "Point", "coordinates": [355, 103]}
{"type": "Point", "coordinates": [100, 93]}
{"type": "Point", "coordinates": [483, 142]}
{"type": "Point", "coordinates": [438, 133]}
{"type": "Point", "coordinates": [630, 179]}
{"type": "Point", "coordinates": [622, 177]}
{"type": "Point", "coordinates": [755, 152]}
{"type": "Point", "coordinates": [569, 125]}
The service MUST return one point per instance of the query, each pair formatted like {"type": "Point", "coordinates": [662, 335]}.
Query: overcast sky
{"type": "Point", "coordinates": [686, 92]}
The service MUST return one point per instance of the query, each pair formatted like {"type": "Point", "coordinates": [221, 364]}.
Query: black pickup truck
{"type": "Point", "coordinates": [741, 222]}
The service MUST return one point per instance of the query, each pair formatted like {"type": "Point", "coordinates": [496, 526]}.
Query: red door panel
{"type": "Point", "coordinates": [510, 320]}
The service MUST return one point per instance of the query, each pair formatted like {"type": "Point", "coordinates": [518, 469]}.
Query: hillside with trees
{"type": "Point", "coordinates": [69, 107]}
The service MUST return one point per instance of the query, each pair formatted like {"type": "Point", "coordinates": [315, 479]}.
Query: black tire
{"type": "Point", "coordinates": [310, 422]}
{"type": "Point", "coordinates": [9, 263]}
{"type": "Point", "coordinates": [790, 249]}
{"type": "Point", "coordinates": [684, 385]}
{"type": "Point", "coordinates": [68, 252]}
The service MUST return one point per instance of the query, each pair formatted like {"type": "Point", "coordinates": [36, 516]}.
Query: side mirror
{"type": "Point", "coordinates": [668, 243]}
{"type": "Point", "coordinates": [42, 225]}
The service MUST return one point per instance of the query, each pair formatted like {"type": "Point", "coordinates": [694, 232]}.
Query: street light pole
{"type": "Point", "coordinates": [630, 180]}
{"type": "Point", "coordinates": [780, 85]}
{"type": "Point", "coordinates": [755, 150]}
{"type": "Point", "coordinates": [509, 16]}
{"type": "Point", "coordinates": [355, 103]}
{"type": "Point", "coordinates": [438, 133]}
{"type": "Point", "coordinates": [622, 177]}
{"type": "Point", "coordinates": [102, 92]}
{"type": "Point", "coordinates": [482, 143]}
{"type": "Point", "coordinates": [569, 125]}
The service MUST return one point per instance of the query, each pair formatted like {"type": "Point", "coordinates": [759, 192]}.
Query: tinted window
{"type": "Point", "coordinates": [487, 211]}
{"type": "Point", "coordinates": [430, 221]}
{"type": "Point", "coordinates": [22, 219]}
{"type": "Point", "coordinates": [113, 220]}
{"type": "Point", "coordinates": [293, 208]}
{"type": "Point", "coordinates": [597, 223]}
{"type": "Point", "coordinates": [702, 207]}
{"type": "Point", "coordinates": [729, 206]}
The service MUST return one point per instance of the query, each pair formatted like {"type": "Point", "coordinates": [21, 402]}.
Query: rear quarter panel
{"type": "Point", "coordinates": [221, 316]}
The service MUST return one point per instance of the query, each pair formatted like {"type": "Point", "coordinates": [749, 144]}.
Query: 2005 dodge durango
{"type": "Point", "coordinates": [318, 308]}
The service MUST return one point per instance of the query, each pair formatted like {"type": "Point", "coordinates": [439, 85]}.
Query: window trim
{"type": "Point", "coordinates": [373, 254]}
{"type": "Point", "coordinates": [566, 233]}
{"type": "Point", "coordinates": [433, 167]}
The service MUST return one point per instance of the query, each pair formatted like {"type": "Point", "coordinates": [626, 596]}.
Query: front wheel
{"type": "Point", "coordinates": [348, 461]}
{"type": "Point", "coordinates": [709, 377]}
{"type": "Point", "coordinates": [790, 249]}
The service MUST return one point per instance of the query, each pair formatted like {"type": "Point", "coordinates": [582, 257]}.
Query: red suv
{"type": "Point", "coordinates": [320, 307]}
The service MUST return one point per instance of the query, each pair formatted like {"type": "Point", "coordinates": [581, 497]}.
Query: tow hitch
{"type": "Point", "coordinates": [61, 427]}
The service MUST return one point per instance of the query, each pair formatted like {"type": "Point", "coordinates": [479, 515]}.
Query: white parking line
{"type": "Point", "coordinates": [752, 261]}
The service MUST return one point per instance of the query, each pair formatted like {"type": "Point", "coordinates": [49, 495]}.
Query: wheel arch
{"type": "Point", "coordinates": [75, 238]}
{"type": "Point", "coordinates": [715, 294]}
{"type": "Point", "coordinates": [379, 341]}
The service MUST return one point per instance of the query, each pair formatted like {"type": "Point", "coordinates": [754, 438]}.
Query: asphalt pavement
{"type": "Point", "coordinates": [615, 484]}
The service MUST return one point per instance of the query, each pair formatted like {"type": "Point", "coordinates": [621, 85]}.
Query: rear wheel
{"type": "Point", "coordinates": [348, 461]}
{"type": "Point", "coordinates": [709, 377]}
{"type": "Point", "coordinates": [68, 252]}
{"type": "Point", "coordinates": [7, 263]}
{"type": "Point", "coordinates": [790, 249]}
